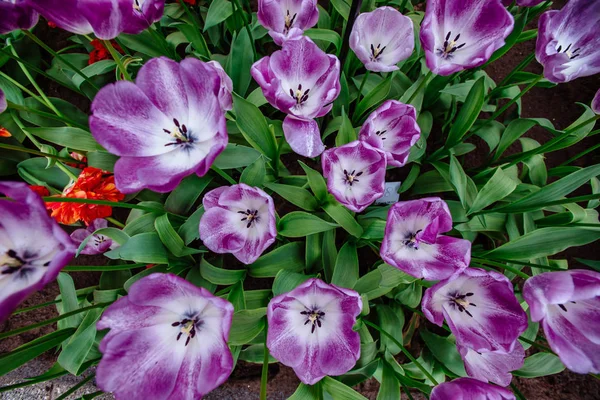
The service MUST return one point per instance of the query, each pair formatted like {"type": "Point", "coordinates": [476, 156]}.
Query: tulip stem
{"type": "Point", "coordinates": [264, 375]}
{"type": "Point", "coordinates": [406, 352]}
{"type": "Point", "coordinates": [354, 10]}
{"type": "Point", "coordinates": [31, 151]}
{"type": "Point", "coordinates": [66, 170]}
{"type": "Point", "coordinates": [246, 25]}
{"type": "Point", "coordinates": [362, 85]}
{"type": "Point", "coordinates": [66, 120]}
{"type": "Point", "coordinates": [117, 57]}
{"type": "Point", "coordinates": [43, 45]}
{"type": "Point", "coordinates": [223, 174]}
{"type": "Point", "coordinates": [500, 265]}
{"type": "Point", "coordinates": [115, 222]}
{"type": "Point", "coordinates": [23, 88]}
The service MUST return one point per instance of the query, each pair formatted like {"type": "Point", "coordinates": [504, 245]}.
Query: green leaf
{"type": "Point", "coordinates": [218, 12]}
{"type": "Point", "coordinates": [171, 239]}
{"type": "Point", "coordinates": [246, 325]}
{"type": "Point", "coordinates": [468, 114]}
{"type": "Point", "coordinates": [339, 391]}
{"type": "Point", "coordinates": [240, 61]}
{"type": "Point", "coordinates": [195, 37]}
{"type": "Point", "coordinates": [316, 182]}
{"type": "Point", "coordinates": [343, 217]}
{"type": "Point", "coordinates": [342, 7]}
{"type": "Point", "coordinates": [445, 351]}
{"type": "Point", "coordinates": [498, 187]}
{"type": "Point", "coordinates": [295, 195]}
{"type": "Point", "coordinates": [69, 300]}
{"type": "Point", "coordinates": [189, 230]}
{"type": "Point", "coordinates": [307, 392]}
{"type": "Point", "coordinates": [515, 130]}
{"type": "Point", "coordinates": [79, 345]}
{"type": "Point", "coordinates": [253, 126]}
{"type": "Point", "coordinates": [300, 224]}
{"type": "Point", "coordinates": [391, 320]}
{"type": "Point", "coordinates": [390, 387]}
{"type": "Point", "coordinates": [236, 156]}
{"type": "Point", "coordinates": [540, 364]}
{"type": "Point", "coordinates": [289, 257]}
{"type": "Point", "coordinates": [544, 242]}
{"type": "Point", "coordinates": [286, 281]}
{"type": "Point", "coordinates": [73, 138]}
{"type": "Point", "coordinates": [346, 134]}
{"type": "Point", "coordinates": [102, 160]}
{"type": "Point", "coordinates": [255, 353]}
{"type": "Point", "coordinates": [254, 174]}
{"type": "Point", "coordinates": [220, 276]}
{"type": "Point", "coordinates": [345, 273]}
{"type": "Point", "coordinates": [185, 195]}
{"type": "Point", "coordinates": [326, 35]}
{"type": "Point", "coordinates": [142, 248]}
{"type": "Point", "coordinates": [144, 43]}
{"type": "Point", "coordinates": [374, 97]}
{"type": "Point", "coordinates": [463, 184]}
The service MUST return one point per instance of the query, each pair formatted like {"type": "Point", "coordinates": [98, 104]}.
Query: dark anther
{"type": "Point", "coordinates": [562, 307]}
{"type": "Point", "coordinates": [460, 302]}
{"type": "Point", "coordinates": [250, 216]}
{"type": "Point", "coordinates": [376, 51]}
{"type": "Point", "coordinates": [450, 46]}
{"type": "Point", "coordinates": [289, 21]}
{"type": "Point", "coordinates": [313, 316]}
{"type": "Point", "coordinates": [187, 326]}
{"type": "Point", "coordinates": [351, 177]}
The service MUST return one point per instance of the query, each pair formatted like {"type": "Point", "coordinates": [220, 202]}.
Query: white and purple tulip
{"type": "Point", "coordinates": [16, 14]}
{"type": "Point", "coordinates": [240, 220]}
{"type": "Point", "coordinates": [302, 81]}
{"type": "Point", "coordinates": [97, 243]}
{"type": "Point", "coordinates": [287, 19]}
{"type": "Point", "coordinates": [382, 38]}
{"type": "Point", "coordinates": [463, 34]}
{"type": "Point", "coordinates": [392, 128]}
{"type": "Point", "coordinates": [167, 340]}
{"type": "Point", "coordinates": [33, 248]}
{"type": "Point", "coordinates": [3, 103]}
{"type": "Point", "coordinates": [310, 330]}
{"type": "Point", "coordinates": [567, 303]}
{"type": "Point", "coordinates": [492, 365]}
{"type": "Point", "coordinates": [595, 102]}
{"type": "Point", "coordinates": [167, 125]}
{"type": "Point", "coordinates": [413, 240]}
{"type": "Point", "coordinates": [471, 389]}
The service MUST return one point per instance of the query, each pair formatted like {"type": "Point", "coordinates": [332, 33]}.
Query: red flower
{"type": "Point", "coordinates": [93, 183]}
{"type": "Point", "coordinates": [79, 157]}
{"type": "Point", "coordinates": [41, 190]}
{"type": "Point", "coordinates": [52, 24]}
{"type": "Point", "coordinates": [4, 132]}
{"type": "Point", "coordinates": [190, 2]}
{"type": "Point", "coordinates": [100, 52]}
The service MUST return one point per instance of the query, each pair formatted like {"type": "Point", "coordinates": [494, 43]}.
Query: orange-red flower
{"type": "Point", "coordinates": [41, 190]}
{"type": "Point", "coordinates": [4, 132]}
{"type": "Point", "coordinates": [190, 2]}
{"type": "Point", "coordinates": [100, 52]}
{"type": "Point", "coordinates": [93, 183]}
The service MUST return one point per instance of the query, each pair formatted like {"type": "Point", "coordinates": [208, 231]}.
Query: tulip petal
{"type": "Point", "coordinates": [303, 136]}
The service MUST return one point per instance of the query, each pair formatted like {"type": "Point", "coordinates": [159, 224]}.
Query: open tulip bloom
{"type": "Point", "coordinates": [33, 248]}
{"type": "Point", "coordinates": [568, 43]}
{"type": "Point", "coordinates": [3, 104]}
{"type": "Point", "coordinates": [393, 129]}
{"type": "Point", "coordinates": [458, 35]}
{"type": "Point", "coordinates": [240, 220]}
{"type": "Point", "coordinates": [382, 38]}
{"type": "Point", "coordinates": [595, 103]}
{"type": "Point", "coordinates": [413, 240]}
{"type": "Point", "coordinates": [310, 330]}
{"type": "Point", "coordinates": [287, 19]}
{"type": "Point", "coordinates": [302, 81]}
{"type": "Point", "coordinates": [16, 14]}
{"type": "Point", "coordinates": [492, 365]}
{"type": "Point", "coordinates": [97, 243]}
{"type": "Point", "coordinates": [107, 19]}
{"type": "Point", "coordinates": [567, 304]}
{"type": "Point", "coordinates": [469, 389]}
{"type": "Point", "coordinates": [167, 340]}
{"type": "Point", "coordinates": [355, 174]}
{"type": "Point", "coordinates": [480, 308]}
{"type": "Point", "coordinates": [166, 126]}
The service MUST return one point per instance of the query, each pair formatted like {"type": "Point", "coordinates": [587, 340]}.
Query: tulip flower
{"type": "Point", "coordinates": [226, 88]}
{"type": "Point", "coordinates": [480, 308]}
{"type": "Point", "coordinates": [567, 303]}
{"type": "Point", "coordinates": [382, 38]}
{"type": "Point", "coordinates": [492, 365]}
{"type": "Point", "coordinates": [355, 174]}
{"type": "Point", "coordinates": [310, 330]}
{"type": "Point", "coordinates": [287, 19]}
{"type": "Point", "coordinates": [97, 243]}
{"type": "Point", "coordinates": [33, 248]}
{"type": "Point", "coordinates": [166, 126]}
{"type": "Point", "coordinates": [393, 129]}
{"type": "Point", "coordinates": [413, 240]}
{"type": "Point", "coordinates": [106, 19]}
{"type": "Point", "coordinates": [3, 104]}
{"type": "Point", "coordinates": [167, 340]}
{"type": "Point", "coordinates": [16, 14]}
{"type": "Point", "coordinates": [595, 103]}
{"type": "Point", "coordinates": [522, 3]}
{"type": "Point", "coordinates": [458, 35]}
{"type": "Point", "coordinates": [240, 220]}
{"type": "Point", "coordinates": [568, 43]}
{"type": "Point", "coordinates": [301, 81]}
{"type": "Point", "coordinates": [472, 389]}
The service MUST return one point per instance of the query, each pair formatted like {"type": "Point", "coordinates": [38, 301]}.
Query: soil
{"type": "Point", "coordinates": [558, 104]}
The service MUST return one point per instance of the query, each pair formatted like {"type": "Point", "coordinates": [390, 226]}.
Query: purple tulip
{"type": "Point", "coordinates": [166, 126]}
{"type": "Point", "coordinates": [471, 389]}
{"type": "Point", "coordinates": [225, 98]}
{"type": "Point", "coordinates": [568, 305]}
{"type": "Point", "coordinates": [3, 104]}
{"type": "Point", "coordinates": [107, 19]}
{"type": "Point", "coordinates": [310, 330]}
{"type": "Point", "coordinates": [167, 340]}
{"type": "Point", "coordinates": [413, 242]}
{"type": "Point", "coordinates": [97, 243]}
{"type": "Point", "coordinates": [33, 248]}
{"type": "Point", "coordinates": [382, 38]}
{"type": "Point", "coordinates": [492, 365]}
{"type": "Point", "coordinates": [458, 35]}
{"type": "Point", "coordinates": [522, 3]}
{"type": "Point", "coordinates": [480, 308]}
{"type": "Point", "coordinates": [568, 43]}
{"type": "Point", "coordinates": [16, 14]}
{"type": "Point", "coordinates": [595, 103]}
{"type": "Point", "coordinates": [301, 81]}
{"type": "Point", "coordinates": [355, 174]}
{"type": "Point", "coordinates": [240, 220]}
{"type": "Point", "coordinates": [287, 19]}
{"type": "Point", "coordinates": [392, 128]}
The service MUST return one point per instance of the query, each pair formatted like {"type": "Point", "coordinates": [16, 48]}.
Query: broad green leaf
{"type": "Point", "coordinates": [246, 325]}
{"type": "Point", "coordinates": [254, 174]}
{"type": "Point", "coordinates": [326, 35]}
{"type": "Point", "coordinates": [145, 43]}
{"type": "Point", "coordinates": [218, 11]}
{"type": "Point", "coordinates": [339, 391]}
{"type": "Point", "coordinates": [67, 109]}
{"type": "Point", "coordinates": [102, 160]}
{"type": "Point", "coordinates": [391, 320]}
{"type": "Point", "coordinates": [463, 184]}
{"type": "Point", "coordinates": [69, 301]}
{"type": "Point", "coordinates": [73, 138]}
{"type": "Point", "coordinates": [343, 217]}
{"type": "Point", "coordinates": [373, 99]}
{"type": "Point", "coordinates": [220, 276]}
{"type": "Point", "coordinates": [185, 195]}
{"type": "Point", "coordinates": [300, 224]}
{"type": "Point", "coordinates": [345, 273]}
{"type": "Point", "coordinates": [286, 281]}
{"type": "Point", "coordinates": [468, 114]}
{"type": "Point", "coordinates": [171, 239]}
{"type": "Point", "coordinates": [307, 392]}
{"type": "Point", "coordinates": [239, 62]}
{"type": "Point", "coordinates": [498, 187]}
{"type": "Point", "coordinates": [346, 134]}
{"type": "Point", "coordinates": [445, 351]}
{"type": "Point", "coordinates": [253, 126]}
{"type": "Point", "coordinates": [236, 156]}
{"type": "Point", "coordinates": [328, 253]}
{"type": "Point", "coordinates": [195, 37]}
{"type": "Point", "coordinates": [342, 7]}
{"type": "Point", "coordinates": [390, 387]}
{"type": "Point", "coordinates": [255, 353]}
{"type": "Point", "coordinates": [143, 248]}
{"type": "Point", "coordinates": [289, 257]}
{"type": "Point", "coordinates": [316, 182]}
{"type": "Point", "coordinates": [515, 130]}
{"type": "Point", "coordinates": [295, 195]}
{"type": "Point", "coordinates": [189, 231]}
{"type": "Point", "coordinates": [75, 351]}
{"type": "Point", "coordinates": [540, 364]}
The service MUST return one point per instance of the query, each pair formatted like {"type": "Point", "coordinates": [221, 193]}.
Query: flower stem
{"type": "Point", "coordinates": [264, 375]}
{"type": "Point", "coordinates": [246, 25]}
{"type": "Point", "coordinates": [223, 174]}
{"type": "Point", "coordinates": [66, 120]}
{"type": "Point", "coordinates": [30, 151]}
{"type": "Point", "coordinates": [500, 265]}
{"type": "Point", "coordinates": [55, 54]}
{"type": "Point", "coordinates": [23, 88]}
{"type": "Point", "coordinates": [117, 57]}
{"type": "Point", "coordinates": [406, 352]}
{"type": "Point", "coordinates": [362, 85]}
{"type": "Point", "coordinates": [66, 170]}
{"type": "Point", "coordinates": [354, 10]}
{"type": "Point", "coordinates": [115, 222]}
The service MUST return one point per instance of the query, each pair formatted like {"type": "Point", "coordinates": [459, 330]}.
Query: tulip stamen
{"type": "Point", "coordinates": [571, 54]}
{"type": "Point", "coordinates": [351, 177]}
{"type": "Point", "coordinates": [250, 216]}
{"type": "Point", "coordinates": [411, 240]}
{"type": "Point", "coordinates": [461, 302]}
{"type": "Point", "coordinates": [289, 20]}
{"type": "Point", "coordinates": [450, 46]}
{"type": "Point", "coordinates": [298, 95]}
{"type": "Point", "coordinates": [314, 317]}
{"type": "Point", "coordinates": [376, 51]}
{"type": "Point", "coordinates": [136, 5]}
{"type": "Point", "coordinates": [188, 327]}
{"type": "Point", "coordinates": [381, 133]}
{"type": "Point", "coordinates": [180, 133]}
